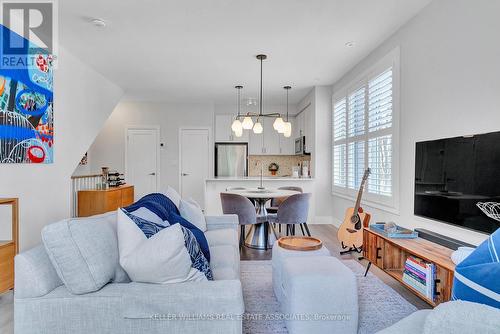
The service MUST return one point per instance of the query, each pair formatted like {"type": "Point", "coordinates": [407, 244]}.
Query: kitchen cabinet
{"type": "Point", "coordinates": [270, 142]}
{"type": "Point", "coordinates": [255, 143]}
{"type": "Point", "coordinates": [304, 127]}
{"type": "Point", "coordinates": [271, 138]}
{"type": "Point", "coordinates": [287, 145]}
{"type": "Point", "coordinates": [223, 132]}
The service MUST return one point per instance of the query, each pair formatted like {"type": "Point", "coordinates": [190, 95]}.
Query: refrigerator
{"type": "Point", "coordinates": [231, 159]}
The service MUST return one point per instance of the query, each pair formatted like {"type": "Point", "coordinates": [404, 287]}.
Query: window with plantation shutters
{"type": "Point", "coordinates": [363, 136]}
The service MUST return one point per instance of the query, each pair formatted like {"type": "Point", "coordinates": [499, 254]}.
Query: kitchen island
{"type": "Point", "coordinates": [214, 186]}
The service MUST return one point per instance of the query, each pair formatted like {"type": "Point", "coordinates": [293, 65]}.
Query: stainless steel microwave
{"type": "Point", "coordinates": [300, 145]}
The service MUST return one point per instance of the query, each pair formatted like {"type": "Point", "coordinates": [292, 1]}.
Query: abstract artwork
{"type": "Point", "coordinates": [26, 106]}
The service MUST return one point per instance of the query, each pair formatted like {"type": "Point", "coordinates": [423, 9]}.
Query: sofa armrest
{"type": "Point", "coordinates": [223, 221]}
{"type": "Point", "coordinates": [35, 276]}
{"type": "Point", "coordinates": [192, 299]}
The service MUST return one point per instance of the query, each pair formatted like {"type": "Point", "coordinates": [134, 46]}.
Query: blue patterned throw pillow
{"type": "Point", "coordinates": [476, 278]}
{"type": "Point", "coordinates": [162, 206]}
{"type": "Point", "coordinates": [198, 259]}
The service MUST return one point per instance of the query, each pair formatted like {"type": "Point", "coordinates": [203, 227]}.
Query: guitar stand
{"type": "Point", "coordinates": [357, 250]}
{"type": "Point", "coordinates": [351, 249]}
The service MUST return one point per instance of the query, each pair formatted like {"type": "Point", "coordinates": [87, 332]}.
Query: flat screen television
{"type": "Point", "coordinates": [452, 175]}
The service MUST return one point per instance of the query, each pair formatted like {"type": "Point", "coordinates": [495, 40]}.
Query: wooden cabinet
{"type": "Point", "coordinates": [223, 132]}
{"type": "Point", "coordinates": [7, 253]}
{"type": "Point", "coordinates": [390, 255]}
{"type": "Point", "coordinates": [94, 202]}
{"type": "Point", "coordinates": [9, 248]}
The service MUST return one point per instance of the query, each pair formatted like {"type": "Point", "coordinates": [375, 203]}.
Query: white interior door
{"type": "Point", "coordinates": [194, 163]}
{"type": "Point", "coordinates": [141, 166]}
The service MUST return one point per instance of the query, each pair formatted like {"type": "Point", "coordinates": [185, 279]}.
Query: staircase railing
{"type": "Point", "coordinates": [82, 182]}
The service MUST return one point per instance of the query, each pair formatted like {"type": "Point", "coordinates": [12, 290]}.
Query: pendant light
{"type": "Point", "coordinates": [258, 128]}
{"type": "Point", "coordinates": [247, 123]}
{"type": "Point", "coordinates": [237, 127]}
{"type": "Point", "coordinates": [287, 132]}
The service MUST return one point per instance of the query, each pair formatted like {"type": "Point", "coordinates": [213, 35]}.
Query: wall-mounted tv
{"type": "Point", "coordinates": [452, 175]}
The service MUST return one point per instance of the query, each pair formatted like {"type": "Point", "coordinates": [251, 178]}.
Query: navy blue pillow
{"type": "Point", "coordinates": [164, 208]}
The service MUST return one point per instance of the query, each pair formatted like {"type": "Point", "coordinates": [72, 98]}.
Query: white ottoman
{"type": "Point", "coordinates": [279, 255]}
{"type": "Point", "coordinates": [320, 295]}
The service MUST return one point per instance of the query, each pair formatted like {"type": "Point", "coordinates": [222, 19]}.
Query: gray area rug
{"type": "Point", "coordinates": [379, 305]}
{"type": "Point", "coordinates": [6, 313]}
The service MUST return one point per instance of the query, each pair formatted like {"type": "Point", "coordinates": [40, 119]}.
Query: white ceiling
{"type": "Point", "coordinates": [197, 50]}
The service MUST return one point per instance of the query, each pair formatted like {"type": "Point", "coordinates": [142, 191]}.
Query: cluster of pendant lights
{"type": "Point", "coordinates": [284, 127]}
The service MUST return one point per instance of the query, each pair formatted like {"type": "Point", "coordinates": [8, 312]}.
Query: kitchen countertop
{"type": "Point", "coordinates": [257, 178]}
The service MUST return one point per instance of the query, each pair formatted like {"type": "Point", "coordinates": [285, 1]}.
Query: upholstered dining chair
{"type": "Point", "coordinates": [293, 211]}
{"type": "Point", "coordinates": [275, 202]}
{"type": "Point", "coordinates": [243, 208]}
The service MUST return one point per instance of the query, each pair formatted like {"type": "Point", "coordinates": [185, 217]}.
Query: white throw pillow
{"type": "Point", "coordinates": [173, 196]}
{"type": "Point", "coordinates": [149, 215]}
{"type": "Point", "coordinates": [163, 258]}
{"type": "Point", "coordinates": [191, 211]}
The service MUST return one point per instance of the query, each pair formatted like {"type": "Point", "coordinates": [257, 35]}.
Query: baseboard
{"type": "Point", "coordinates": [326, 220]}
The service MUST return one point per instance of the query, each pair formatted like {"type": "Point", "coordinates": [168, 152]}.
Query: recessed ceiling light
{"type": "Point", "coordinates": [98, 23]}
{"type": "Point", "coordinates": [350, 44]}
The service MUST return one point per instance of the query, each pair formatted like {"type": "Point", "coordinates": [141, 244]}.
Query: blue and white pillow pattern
{"type": "Point", "coordinates": [198, 260]}
{"type": "Point", "coordinates": [476, 278]}
{"type": "Point", "coordinates": [148, 227]}
{"type": "Point", "coordinates": [164, 208]}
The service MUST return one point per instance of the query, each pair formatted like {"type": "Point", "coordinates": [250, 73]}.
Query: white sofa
{"type": "Point", "coordinates": [43, 304]}
{"type": "Point", "coordinates": [452, 317]}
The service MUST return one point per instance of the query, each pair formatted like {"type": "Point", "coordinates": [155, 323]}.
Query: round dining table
{"type": "Point", "coordinates": [261, 235]}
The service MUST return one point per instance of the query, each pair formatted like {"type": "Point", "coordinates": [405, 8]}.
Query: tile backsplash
{"type": "Point", "coordinates": [285, 163]}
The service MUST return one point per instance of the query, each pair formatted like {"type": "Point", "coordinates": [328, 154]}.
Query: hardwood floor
{"type": "Point", "coordinates": [328, 234]}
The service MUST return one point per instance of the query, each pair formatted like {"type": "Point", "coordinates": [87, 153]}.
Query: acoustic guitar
{"type": "Point", "coordinates": [350, 233]}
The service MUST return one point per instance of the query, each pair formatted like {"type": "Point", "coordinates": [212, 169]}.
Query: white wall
{"type": "Point", "coordinates": [83, 99]}
{"type": "Point", "coordinates": [108, 148]}
{"type": "Point", "coordinates": [450, 84]}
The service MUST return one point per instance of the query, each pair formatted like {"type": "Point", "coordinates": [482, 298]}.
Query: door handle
{"type": "Point", "coordinates": [152, 174]}
{"type": "Point", "coordinates": [184, 174]}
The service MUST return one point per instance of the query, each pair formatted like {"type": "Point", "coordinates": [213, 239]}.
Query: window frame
{"type": "Point", "coordinates": [386, 203]}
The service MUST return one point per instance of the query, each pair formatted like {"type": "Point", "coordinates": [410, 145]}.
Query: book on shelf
{"type": "Point", "coordinates": [420, 275]}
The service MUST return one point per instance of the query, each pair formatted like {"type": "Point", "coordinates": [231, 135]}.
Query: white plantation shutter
{"type": "Point", "coordinates": [339, 119]}
{"type": "Point", "coordinates": [355, 164]}
{"type": "Point", "coordinates": [356, 113]}
{"type": "Point", "coordinates": [339, 161]}
{"type": "Point", "coordinates": [339, 135]}
{"type": "Point", "coordinates": [380, 163]}
{"type": "Point", "coordinates": [363, 127]}
{"type": "Point", "coordinates": [380, 102]}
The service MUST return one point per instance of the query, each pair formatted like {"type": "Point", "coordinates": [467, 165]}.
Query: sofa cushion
{"type": "Point", "coordinates": [462, 317]}
{"type": "Point", "coordinates": [162, 258]}
{"type": "Point", "coordinates": [223, 236]}
{"type": "Point", "coordinates": [191, 211]}
{"type": "Point", "coordinates": [35, 274]}
{"type": "Point", "coordinates": [84, 252]}
{"type": "Point", "coordinates": [225, 262]}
